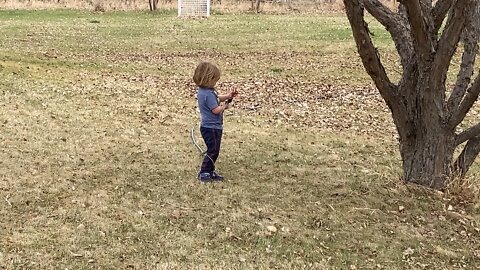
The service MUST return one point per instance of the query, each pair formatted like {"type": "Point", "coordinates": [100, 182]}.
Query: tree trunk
{"type": "Point", "coordinates": [426, 120]}
{"type": "Point", "coordinates": [257, 6]}
{"type": "Point", "coordinates": [427, 143]}
{"type": "Point", "coordinates": [427, 158]}
{"type": "Point", "coordinates": [153, 4]}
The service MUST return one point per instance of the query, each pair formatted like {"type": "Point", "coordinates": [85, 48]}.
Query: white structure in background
{"type": "Point", "coordinates": [194, 8]}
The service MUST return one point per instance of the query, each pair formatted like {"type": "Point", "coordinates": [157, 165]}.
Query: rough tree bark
{"type": "Point", "coordinates": [425, 114]}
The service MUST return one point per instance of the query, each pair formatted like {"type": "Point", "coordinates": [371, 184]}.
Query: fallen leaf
{"type": "Point", "coordinates": [271, 229]}
{"type": "Point", "coordinates": [176, 213]}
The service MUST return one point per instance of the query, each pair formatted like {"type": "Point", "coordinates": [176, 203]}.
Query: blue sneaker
{"type": "Point", "coordinates": [217, 177]}
{"type": "Point", "coordinates": [204, 177]}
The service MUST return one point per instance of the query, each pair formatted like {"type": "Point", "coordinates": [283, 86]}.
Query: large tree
{"type": "Point", "coordinates": [426, 110]}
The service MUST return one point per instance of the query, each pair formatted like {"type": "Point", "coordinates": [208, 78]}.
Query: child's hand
{"type": "Point", "coordinates": [233, 93]}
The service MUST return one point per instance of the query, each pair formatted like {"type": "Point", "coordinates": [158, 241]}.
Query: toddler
{"type": "Point", "coordinates": [211, 105]}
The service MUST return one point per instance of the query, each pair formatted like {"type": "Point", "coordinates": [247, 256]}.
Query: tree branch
{"type": "Point", "coordinates": [467, 134]}
{"type": "Point", "coordinates": [424, 44]}
{"type": "Point", "coordinates": [467, 157]}
{"type": "Point", "coordinates": [371, 60]}
{"type": "Point", "coordinates": [396, 25]}
{"type": "Point", "coordinates": [367, 50]}
{"type": "Point", "coordinates": [382, 13]}
{"type": "Point", "coordinates": [467, 102]}
{"type": "Point", "coordinates": [406, 51]}
{"type": "Point", "coordinates": [448, 43]}
{"type": "Point", "coordinates": [471, 35]}
{"type": "Point", "coordinates": [439, 12]}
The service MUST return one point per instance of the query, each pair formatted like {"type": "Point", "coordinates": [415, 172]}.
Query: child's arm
{"type": "Point", "coordinates": [230, 95]}
{"type": "Point", "coordinates": [220, 108]}
{"type": "Point", "coordinates": [224, 97]}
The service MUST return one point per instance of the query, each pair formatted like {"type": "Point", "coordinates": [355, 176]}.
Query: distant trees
{"type": "Point", "coordinates": [253, 5]}
{"type": "Point", "coordinates": [153, 4]}
{"type": "Point", "coordinates": [256, 5]}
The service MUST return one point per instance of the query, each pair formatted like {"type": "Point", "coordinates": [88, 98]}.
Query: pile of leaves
{"type": "Point", "coordinates": [286, 101]}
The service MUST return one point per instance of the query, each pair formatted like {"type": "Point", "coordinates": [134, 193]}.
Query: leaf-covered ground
{"type": "Point", "coordinates": [97, 169]}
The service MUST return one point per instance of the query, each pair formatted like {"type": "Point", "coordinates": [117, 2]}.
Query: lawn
{"type": "Point", "coordinates": [97, 169]}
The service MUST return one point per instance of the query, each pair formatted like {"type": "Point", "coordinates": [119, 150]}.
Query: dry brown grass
{"type": "Point", "coordinates": [464, 190]}
{"type": "Point", "coordinates": [98, 171]}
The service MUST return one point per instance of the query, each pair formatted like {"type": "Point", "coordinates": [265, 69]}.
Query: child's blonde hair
{"type": "Point", "coordinates": [206, 75]}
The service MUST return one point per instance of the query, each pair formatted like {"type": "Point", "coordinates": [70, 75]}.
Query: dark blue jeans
{"type": "Point", "coordinates": [213, 139]}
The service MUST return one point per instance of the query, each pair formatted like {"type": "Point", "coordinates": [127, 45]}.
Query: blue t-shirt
{"type": "Point", "coordinates": [207, 101]}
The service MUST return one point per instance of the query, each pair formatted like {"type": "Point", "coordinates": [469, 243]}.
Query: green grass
{"type": "Point", "coordinates": [132, 35]}
{"type": "Point", "coordinates": [97, 169]}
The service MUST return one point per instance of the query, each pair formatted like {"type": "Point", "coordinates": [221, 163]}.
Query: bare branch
{"type": "Point", "coordinates": [399, 28]}
{"type": "Point", "coordinates": [439, 12]}
{"type": "Point", "coordinates": [471, 35]}
{"type": "Point", "coordinates": [367, 50]}
{"type": "Point", "coordinates": [396, 25]}
{"type": "Point", "coordinates": [382, 13]}
{"type": "Point", "coordinates": [448, 42]}
{"type": "Point", "coordinates": [467, 157]}
{"type": "Point", "coordinates": [371, 60]}
{"type": "Point", "coordinates": [405, 48]}
{"type": "Point", "coordinates": [468, 134]}
{"type": "Point", "coordinates": [424, 44]}
{"type": "Point", "coordinates": [467, 102]}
